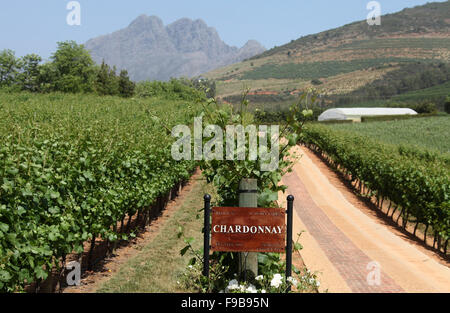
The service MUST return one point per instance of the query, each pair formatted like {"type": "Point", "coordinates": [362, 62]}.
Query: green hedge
{"type": "Point", "coordinates": [337, 122]}
{"type": "Point", "coordinates": [381, 118]}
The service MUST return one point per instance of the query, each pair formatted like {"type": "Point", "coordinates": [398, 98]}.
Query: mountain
{"type": "Point", "coordinates": [151, 51]}
{"type": "Point", "coordinates": [341, 61]}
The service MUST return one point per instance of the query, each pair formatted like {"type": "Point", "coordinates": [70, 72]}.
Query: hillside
{"type": "Point", "coordinates": [151, 51]}
{"type": "Point", "coordinates": [342, 60]}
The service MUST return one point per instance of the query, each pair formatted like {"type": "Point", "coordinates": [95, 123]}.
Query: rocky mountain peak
{"type": "Point", "coordinates": [144, 22]}
{"type": "Point", "coordinates": [151, 51]}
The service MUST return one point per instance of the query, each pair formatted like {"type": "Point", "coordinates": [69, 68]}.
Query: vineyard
{"type": "Point", "coordinates": [72, 167]}
{"type": "Point", "coordinates": [317, 69]}
{"type": "Point", "coordinates": [429, 133]}
{"type": "Point", "coordinates": [399, 43]}
{"type": "Point", "coordinates": [413, 182]}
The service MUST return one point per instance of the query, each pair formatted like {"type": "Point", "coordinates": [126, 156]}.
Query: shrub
{"type": "Point", "coordinates": [175, 89]}
{"type": "Point", "coordinates": [447, 105]}
{"type": "Point", "coordinates": [425, 107]}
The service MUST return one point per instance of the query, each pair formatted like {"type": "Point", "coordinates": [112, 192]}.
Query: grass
{"type": "Point", "coordinates": [430, 133]}
{"type": "Point", "coordinates": [157, 268]}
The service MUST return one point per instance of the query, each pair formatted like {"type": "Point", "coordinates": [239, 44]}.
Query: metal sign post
{"type": "Point", "coordinates": [290, 211]}
{"type": "Point", "coordinates": [206, 231]}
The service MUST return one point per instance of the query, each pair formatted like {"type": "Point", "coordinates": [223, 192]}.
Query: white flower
{"type": "Point", "coordinates": [263, 291]}
{"type": "Point", "coordinates": [317, 283]}
{"type": "Point", "coordinates": [292, 280]}
{"type": "Point", "coordinates": [190, 267]}
{"type": "Point", "coordinates": [242, 288]}
{"type": "Point", "coordinates": [260, 277]}
{"type": "Point", "coordinates": [312, 281]}
{"type": "Point", "coordinates": [276, 281]}
{"type": "Point", "coordinates": [251, 289]}
{"type": "Point", "coordinates": [277, 276]}
{"type": "Point", "coordinates": [232, 284]}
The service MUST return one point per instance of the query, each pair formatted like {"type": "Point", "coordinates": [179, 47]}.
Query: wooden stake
{"type": "Point", "coordinates": [248, 198]}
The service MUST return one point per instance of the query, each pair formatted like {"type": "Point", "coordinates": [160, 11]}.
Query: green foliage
{"type": "Point", "coordinates": [425, 107]}
{"type": "Point", "coordinates": [436, 94]}
{"type": "Point", "coordinates": [382, 118]}
{"type": "Point", "coordinates": [428, 133]}
{"type": "Point", "coordinates": [73, 68]}
{"type": "Point", "coordinates": [71, 166]}
{"type": "Point", "coordinates": [106, 82]}
{"type": "Point", "coordinates": [281, 115]}
{"type": "Point", "coordinates": [227, 174]}
{"type": "Point", "coordinates": [28, 77]}
{"type": "Point", "coordinates": [447, 105]}
{"type": "Point", "coordinates": [9, 66]}
{"type": "Point", "coordinates": [47, 76]}
{"type": "Point", "coordinates": [262, 116]}
{"type": "Point", "coordinates": [337, 122]}
{"type": "Point", "coordinates": [175, 89]}
{"type": "Point", "coordinates": [126, 86]}
{"type": "Point", "coordinates": [205, 85]}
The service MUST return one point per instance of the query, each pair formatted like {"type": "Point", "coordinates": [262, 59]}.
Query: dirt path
{"type": "Point", "coordinates": [344, 238]}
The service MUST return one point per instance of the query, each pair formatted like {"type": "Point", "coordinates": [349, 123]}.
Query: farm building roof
{"type": "Point", "coordinates": [349, 113]}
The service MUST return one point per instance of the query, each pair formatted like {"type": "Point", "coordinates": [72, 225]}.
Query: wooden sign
{"type": "Point", "coordinates": [248, 229]}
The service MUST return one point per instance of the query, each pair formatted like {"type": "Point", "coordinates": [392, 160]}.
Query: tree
{"type": "Point", "coordinates": [28, 78]}
{"type": "Point", "coordinates": [48, 74]}
{"type": "Point", "coordinates": [425, 107]}
{"type": "Point", "coordinates": [113, 81]}
{"type": "Point", "coordinates": [316, 82]}
{"type": "Point", "coordinates": [9, 66]}
{"type": "Point", "coordinates": [101, 79]}
{"type": "Point", "coordinates": [74, 68]}
{"type": "Point", "coordinates": [126, 86]}
{"type": "Point", "coordinates": [106, 81]}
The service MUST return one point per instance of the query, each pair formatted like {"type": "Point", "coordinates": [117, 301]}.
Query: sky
{"type": "Point", "coordinates": [36, 26]}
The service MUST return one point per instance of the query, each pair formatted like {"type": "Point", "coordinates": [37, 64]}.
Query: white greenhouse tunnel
{"type": "Point", "coordinates": [355, 114]}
